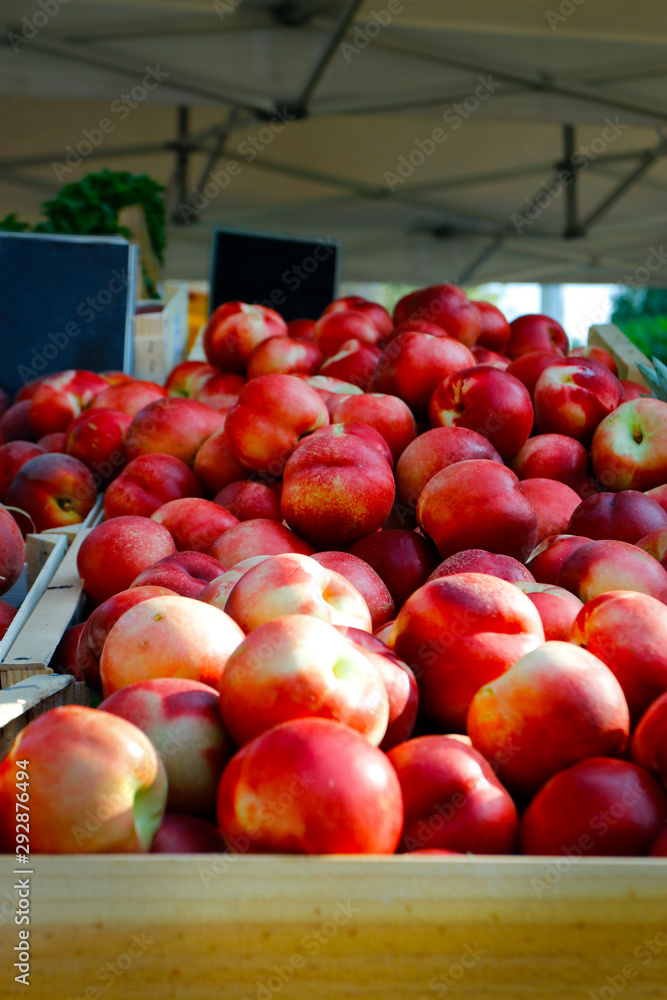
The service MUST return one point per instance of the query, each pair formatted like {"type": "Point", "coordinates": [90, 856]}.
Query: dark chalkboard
{"type": "Point", "coordinates": [297, 277]}
{"type": "Point", "coordinates": [65, 302]}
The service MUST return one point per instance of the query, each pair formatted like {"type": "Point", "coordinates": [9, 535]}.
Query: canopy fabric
{"type": "Point", "coordinates": [438, 140]}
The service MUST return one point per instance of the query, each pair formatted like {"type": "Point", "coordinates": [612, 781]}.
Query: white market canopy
{"type": "Point", "coordinates": [489, 140]}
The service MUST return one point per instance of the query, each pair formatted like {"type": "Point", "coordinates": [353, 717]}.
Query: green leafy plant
{"type": "Point", "coordinates": [656, 380]}
{"type": "Point", "coordinates": [641, 313]}
{"type": "Point", "coordinates": [90, 207]}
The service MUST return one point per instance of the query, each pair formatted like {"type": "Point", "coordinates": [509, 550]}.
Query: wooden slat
{"type": "Point", "coordinates": [623, 351]}
{"type": "Point", "coordinates": [47, 553]}
{"type": "Point", "coordinates": [29, 698]}
{"type": "Point", "coordinates": [365, 928]}
{"type": "Point", "coordinates": [62, 601]}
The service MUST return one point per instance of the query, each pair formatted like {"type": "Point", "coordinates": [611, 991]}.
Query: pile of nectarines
{"type": "Point", "coordinates": [363, 584]}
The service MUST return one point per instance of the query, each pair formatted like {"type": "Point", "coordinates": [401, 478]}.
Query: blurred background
{"type": "Point", "coordinates": [515, 148]}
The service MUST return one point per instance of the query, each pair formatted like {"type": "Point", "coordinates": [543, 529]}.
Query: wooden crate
{"type": "Point", "coordinates": [33, 696]}
{"type": "Point", "coordinates": [623, 351]}
{"type": "Point", "coordinates": [241, 928]}
{"type": "Point", "coordinates": [58, 605]}
{"type": "Point", "coordinates": [358, 928]}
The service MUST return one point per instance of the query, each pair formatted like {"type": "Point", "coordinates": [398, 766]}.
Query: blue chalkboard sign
{"type": "Point", "coordinates": [65, 302]}
{"type": "Point", "coordinates": [296, 276]}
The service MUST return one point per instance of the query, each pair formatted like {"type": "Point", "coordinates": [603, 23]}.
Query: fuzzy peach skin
{"type": "Point", "coordinates": [194, 524]}
{"type": "Point", "coordinates": [234, 331]}
{"type": "Point", "coordinates": [169, 636]}
{"type": "Point", "coordinates": [629, 448]}
{"type": "Point", "coordinates": [546, 559]}
{"type": "Point", "coordinates": [298, 666]}
{"type": "Point", "coordinates": [217, 591]}
{"type": "Point", "coordinates": [489, 401]}
{"type": "Point", "coordinates": [114, 552]}
{"type": "Point", "coordinates": [310, 786]}
{"type": "Point", "coordinates": [259, 537]}
{"type": "Point", "coordinates": [535, 332]}
{"type": "Point", "coordinates": [387, 414]}
{"type": "Point", "coordinates": [627, 631]}
{"type": "Point", "coordinates": [452, 798]}
{"type": "Point", "coordinates": [458, 633]}
{"type": "Point", "coordinates": [554, 504]}
{"type": "Point", "coordinates": [413, 364]}
{"type": "Point", "coordinates": [557, 607]}
{"type": "Point", "coordinates": [555, 706]}
{"type": "Point", "coordinates": [363, 577]}
{"type": "Point", "coordinates": [293, 584]}
{"type": "Point", "coordinates": [128, 397]}
{"type": "Point", "coordinates": [573, 396]}
{"type": "Point", "coordinates": [598, 807]}
{"type": "Point", "coordinates": [481, 561]}
{"type": "Point", "coordinates": [553, 456]}
{"type": "Point", "coordinates": [51, 491]}
{"type": "Point", "coordinates": [172, 426]}
{"type": "Point", "coordinates": [147, 483]}
{"type": "Point", "coordinates": [402, 559]}
{"type": "Point", "coordinates": [272, 413]}
{"type": "Point", "coordinates": [96, 785]}
{"type": "Point", "coordinates": [477, 504]}
{"type": "Point", "coordinates": [601, 566]}
{"type": "Point", "coordinates": [626, 516]}
{"type": "Point", "coordinates": [336, 490]}
{"type": "Point", "coordinates": [433, 451]}
{"type": "Point", "coordinates": [182, 720]}
{"type": "Point", "coordinates": [98, 625]}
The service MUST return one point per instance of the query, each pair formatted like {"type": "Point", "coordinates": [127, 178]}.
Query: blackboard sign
{"type": "Point", "coordinates": [295, 276]}
{"type": "Point", "coordinates": [65, 302]}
